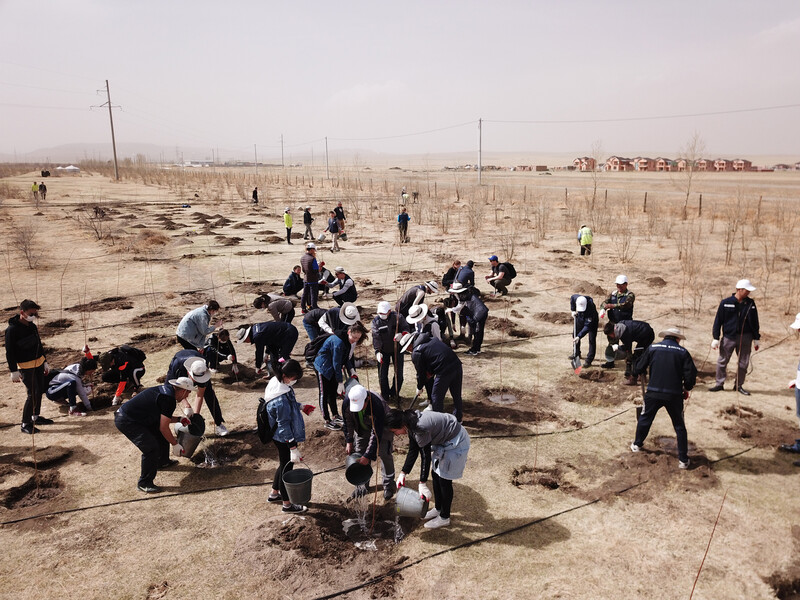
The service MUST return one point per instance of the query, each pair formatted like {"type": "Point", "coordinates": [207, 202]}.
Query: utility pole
{"type": "Point", "coordinates": [327, 169]}
{"type": "Point", "coordinates": [255, 154]}
{"type": "Point", "coordinates": [113, 140]}
{"type": "Point", "coordinates": [480, 151]}
{"type": "Point", "coordinates": [282, 165]}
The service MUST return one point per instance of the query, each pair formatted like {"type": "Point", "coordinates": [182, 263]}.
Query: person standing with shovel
{"type": "Point", "coordinates": [585, 322]}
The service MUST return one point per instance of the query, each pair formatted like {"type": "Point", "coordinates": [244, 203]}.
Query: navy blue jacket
{"type": "Point", "coordinates": [432, 356]}
{"type": "Point", "coordinates": [586, 321]}
{"type": "Point", "coordinates": [293, 284]}
{"type": "Point", "coordinates": [636, 331]}
{"type": "Point", "coordinates": [371, 418]}
{"type": "Point", "coordinates": [278, 337]}
{"type": "Point", "coordinates": [474, 309]}
{"type": "Point", "coordinates": [671, 368]}
{"type": "Point", "coordinates": [734, 318]}
{"type": "Point", "coordinates": [176, 368]}
{"type": "Point", "coordinates": [466, 276]}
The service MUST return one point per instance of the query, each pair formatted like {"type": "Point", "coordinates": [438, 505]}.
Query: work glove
{"type": "Point", "coordinates": [615, 347]}
{"type": "Point", "coordinates": [576, 339]}
{"type": "Point", "coordinates": [379, 357]}
{"type": "Point", "coordinates": [16, 377]}
{"type": "Point", "coordinates": [603, 314]}
{"type": "Point", "coordinates": [714, 344]}
{"type": "Point", "coordinates": [401, 479]}
{"type": "Point", "coordinates": [792, 384]}
{"type": "Point", "coordinates": [398, 336]}
{"type": "Point", "coordinates": [85, 349]}
{"type": "Point", "coordinates": [685, 394]}
{"type": "Point", "coordinates": [177, 450]}
{"type": "Point", "coordinates": [231, 358]}
{"type": "Point", "coordinates": [188, 411]}
{"type": "Point", "coordinates": [47, 367]}
{"type": "Point", "coordinates": [756, 345]}
{"type": "Point", "coordinates": [419, 392]}
{"type": "Point", "coordinates": [235, 369]}
{"type": "Point", "coordinates": [424, 491]}
{"type": "Point", "coordinates": [574, 313]}
{"type": "Point", "coordinates": [294, 455]}
{"type": "Point", "coordinates": [308, 409]}
{"type": "Point", "coordinates": [185, 421]}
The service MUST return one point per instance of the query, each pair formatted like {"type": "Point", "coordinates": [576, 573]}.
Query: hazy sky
{"type": "Point", "coordinates": [229, 75]}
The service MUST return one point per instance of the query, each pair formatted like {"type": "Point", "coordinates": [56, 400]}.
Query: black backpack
{"type": "Point", "coordinates": [265, 432]}
{"type": "Point", "coordinates": [512, 272]}
{"type": "Point", "coordinates": [313, 347]}
{"type": "Point", "coordinates": [133, 354]}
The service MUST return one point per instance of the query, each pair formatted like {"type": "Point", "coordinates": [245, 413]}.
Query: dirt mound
{"type": "Point", "coordinates": [228, 241]}
{"type": "Point", "coordinates": [656, 282]}
{"type": "Point", "coordinates": [550, 478]}
{"type": "Point", "coordinates": [272, 239]}
{"type": "Point", "coordinates": [595, 387]}
{"type": "Point", "coordinates": [407, 275]}
{"type": "Point", "coordinates": [152, 342]}
{"type": "Point", "coordinates": [52, 327]}
{"type": "Point", "coordinates": [36, 489]}
{"type": "Point", "coordinates": [46, 457]}
{"type": "Point", "coordinates": [507, 326]}
{"type": "Point", "coordinates": [558, 318]}
{"type": "Point", "coordinates": [244, 451]}
{"type": "Point", "coordinates": [58, 358]}
{"type": "Point", "coordinates": [245, 225]}
{"type": "Point", "coordinates": [786, 583]}
{"type": "Point", "coordinates": [745, 423]}
{"type": "Point", "coordinates": [587, 289]}
{"type": "Point", "coordinates": [311, 554]}
{"type": "Point", "coordinates": [110, 303]}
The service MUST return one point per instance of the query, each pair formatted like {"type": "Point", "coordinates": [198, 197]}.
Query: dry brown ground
{"type": "Point", "coordinates": [567, 509]}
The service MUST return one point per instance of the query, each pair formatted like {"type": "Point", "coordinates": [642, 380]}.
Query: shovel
{"type": "Point", "coordinates": [576, 359]}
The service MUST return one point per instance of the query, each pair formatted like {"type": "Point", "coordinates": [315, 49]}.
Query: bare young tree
{"type": "Point", "coordinates": [93, 218]}
{"type": "Point", "coordinates": [25, 240]}
{"type": "Point", "coordinates": [597, 170]}
{"type": "Point", "coordinates": [691, 152]}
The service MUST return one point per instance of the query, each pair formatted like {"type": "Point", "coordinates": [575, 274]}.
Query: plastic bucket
{"type": "Point", "coordinates": [298, 485]}
{"type": "Point", "coordinates": [409, 503]}
{"type": "Point", "coordinates": [355, 472]}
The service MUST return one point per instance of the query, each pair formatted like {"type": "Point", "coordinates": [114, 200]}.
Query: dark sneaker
{"type": "Point", "coordinates": [741, 390]}
{"type": "Point", "coordinates": [168, 464]}
{"type": "Point", "coordinates": [274, 498]}
{"type": "Point", "coordinates": [28, 428]}
{"type": "Point", "coordinates": [333, 426]}
{"type": "Point", "coordinates": [338, 420]}
{"type": "Point", "coordinates": [473, 352]}
{"type": "Point", "coordinates": [607, 365]}
{"type": "Point", "coordinates": [587, 364]}
{"type": "Point", "coordinates": [717, 388]}
{"type": "Point", "coordinates": [148, 489]}
{"type": "Point", "coordinates": [571, 356]}
{"type": "Point", "coordinates": [40, 420]}
{"type": "Point", "coordinates": [389, 489]}
{"type": "Point", "coordinates": [295, 508]}
{"type": "Point", "coordinates": [794, 448]}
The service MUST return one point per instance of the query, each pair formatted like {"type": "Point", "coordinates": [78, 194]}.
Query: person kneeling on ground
{"type": "Point", "coordinates": [285, 420]}
{"type": "Point", "coordinates": [363, 414]}
{"type": "Point", "coordinates": [71, 383]}
{"type": "Point", "coordinates": [626, 334]}
{"type": "Point", "coordinates": [294, 283]}
{"type": "Point", "coordinates": [442, 440]}
{"type": "Point", "coordinates": [145, 420]}
{"type": "Point", "coordinates": [123, 365]}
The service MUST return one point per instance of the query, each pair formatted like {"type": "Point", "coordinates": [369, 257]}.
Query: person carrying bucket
{"type": "Point", "coordinates": [443, 441]}
{"type": "Point", "coordinates": [363, 415]}
{"type": "Point", "coordinates": [286, 418]}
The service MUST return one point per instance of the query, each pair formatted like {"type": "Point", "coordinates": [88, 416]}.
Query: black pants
{"type": "Point", "coordinates": [310, 293]}
{"type": "Point", "coordinates": [153, 445]}
{"type": "Point", "coordinates": [34, 386]}
{"type": "Point", "coordinates": [327, 396]}
{"type": "Point", "coordinates": [443, 493]}
{"type": "Point", "coordinates": [477, 328]}
{"type": "Point", "coordinates": [403, 231]}
{"type": "Point", "coordinates": [288, 235]}
{"type": "Point", "coordinates": [185, 344]}
{"type": "Point", "coordinates": [586, 249]}
{"type": "Point", "coordinates": [501, 285]}
{"type": "Point", "coordinates": [66, 391]}
{"type": "Point", "coordinates": [212, 402]}
{"type": "Point", "coordinates": [390, 391]}
{"type": "Point", "coordinates": [284, 463]}
{"type": "Point", "coordinates": [674, 406]}
{"type": "Point", "coordinates": [592, 337]}
{"type": "Point", "coordinates": [451, 380]}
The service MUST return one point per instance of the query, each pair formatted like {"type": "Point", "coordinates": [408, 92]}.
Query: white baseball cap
{"type": "Point", "coordinates": [580, 303]}
{"type": "Point", "coordinates": [796, 324]}
{"type": "Point", "coordinates": [744, 284]}
{"type": "Point", "coordinates": [357, 396]}
{"type": "Point", "coordinates": [339, 269]}
{"type": "Point", "coordinates": [311, 246]}
{"type": "Point", "coordinates": [384, 308]}
{"type": "Point", "coordinates": [621, 279]}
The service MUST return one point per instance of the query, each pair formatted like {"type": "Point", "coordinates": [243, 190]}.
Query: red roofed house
{"type": "Point", "coordinates": [723, 164]}
{"type": "Point", "coordinates": [643, 164]}
{"type": "Point", "coordinates": [665, 164]}
{"type": "Point", "coordinates": [742, 164]}
{"type": "Point", "coordinates": [584, 163]}
{"type": "Point", "coordinates": [617, 163]}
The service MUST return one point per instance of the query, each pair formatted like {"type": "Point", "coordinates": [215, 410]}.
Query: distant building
{"type": "Point", "coordinates": [723, 164]}
{"type": "Point", "coordinates": [641, 163]}
{"type": "Point", "coordinates": [618, 163]}
{"type": "Point", "coordinates": [742, 164]}
{"type": "Point", "coordinates": [666, 164]}
{"type": "Point", "coordinates": [584, 163]}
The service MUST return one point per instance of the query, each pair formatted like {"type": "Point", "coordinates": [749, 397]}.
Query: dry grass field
{"type": "Point", "coordinates": [553, 503]}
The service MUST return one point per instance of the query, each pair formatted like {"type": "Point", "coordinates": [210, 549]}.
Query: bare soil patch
{"type": "Point", "coordinates": [606, 387]}
{"type": "Point", "coordinates": [557, 318]}
{"type": "Point", "coordinates": [507, 326]}
{"type": "Point", "coordinates": [751, 425]}
{"type": "Point", "coordinates": [110, 303]}
{"type": "Point", "coordinates": [36, 489]}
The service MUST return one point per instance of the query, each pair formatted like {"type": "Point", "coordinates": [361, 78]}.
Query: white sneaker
{"type": "Point", "coordinates": [116, 401]}
{"type": "Point", "coordinates": [437, 522]}
{"type": "Point", "coordinates": [432, 513]}
{"type": "Point", "coordinates": [635, 448]}
{"type": "Point", "coordinates": [222, 431]}
{"type": "Point", "coordinates": [683, 465]}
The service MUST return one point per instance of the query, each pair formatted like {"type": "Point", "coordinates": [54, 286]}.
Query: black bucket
{"type": "Point", "coordinates": [355, 472]}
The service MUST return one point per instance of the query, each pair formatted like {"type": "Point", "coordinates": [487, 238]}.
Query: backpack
{"type": "Point", "coordinates": [313, 347]}
{"type": "Point", "coordinates": [133, 354]}
{"type": "Point", "coordinates": [265, 431]}
{"type": "Point", "coordinates": [512, 272]}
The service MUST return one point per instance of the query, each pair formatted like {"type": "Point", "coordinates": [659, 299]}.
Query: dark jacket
{"type": "Point", "coordinates": [586, 321]}
{"type": "Point", "coordinates": [672, 369]}
{"type": "Point", "coordinates": [146, 407]}
{"type": "Point", "coordinates": [734, 318]}
{"type": "Point", "coordinates": [22, 343]}
{"type": "Point", "coordinates": [474, 309]}
{"type": "Point", "coordinates": [347, 289]}
{"type": "Point", "coordinates": [216, 351]}
{"type": "Point", "coordinates": [332, 358]}
{"type": "Point", "coordinates": [339, 212]}
{"type": "Point", "coordinates": [176, 368]}
{"type": "Point", "coordinates": [407, 299]}
{"type": "Point", "coordinates": [466, 276]}
{"type": "Point", "coordinates": [307, 218]}
{"type": "Point", "coordinates": [369, 419]}
{"type": "Point", "coordinates": [383, 332]}
{"type": "Point", "coordinates": [312, 318]}
{"type": "Point", "coordinates": [310, 267]}
{"type": "Point", "coordinates": [432, 356]}
{"type": "Point", "coordinates": [276, 336]}
{"type": "Point", "coordinates": [293, 284]}
{"type": "Point", "coordinates": [634, 331]}
{"type": "Point", "coordinates": [331, 317]}
{"type": "Point", "coordinates": [624, 302]}
{"type": "Point", "coordinates": [449, 277]}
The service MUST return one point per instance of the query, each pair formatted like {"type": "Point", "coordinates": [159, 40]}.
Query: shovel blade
{"type": "Point", "coordinates": [576, 364]}
{"type": "Point", "coordinates": [578, 370]}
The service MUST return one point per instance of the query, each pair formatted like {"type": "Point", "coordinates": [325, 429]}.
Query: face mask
{"type": "Point", "coordinates": [31, 318]}
{"type": "Point", "coordinates": [291, 383]}
{"type": "Point", "coordinates": [384, 317]}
